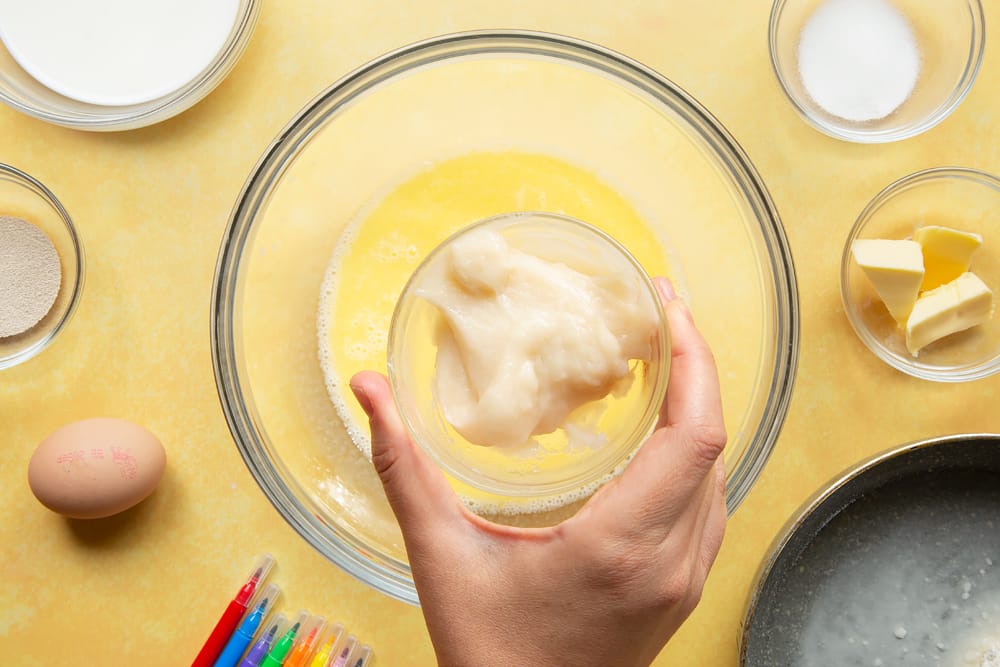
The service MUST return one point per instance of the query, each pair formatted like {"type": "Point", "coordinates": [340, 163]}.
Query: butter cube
{"type": "Point", "coordinates": [956, 306]}
{"type": "Point", "coordinates": [947, 253]}
{"type": "Point", "coordinates": [895, 269]}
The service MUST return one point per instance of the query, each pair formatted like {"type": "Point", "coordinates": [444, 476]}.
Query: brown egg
{"type": "Point", "coordinates": [96, 467]}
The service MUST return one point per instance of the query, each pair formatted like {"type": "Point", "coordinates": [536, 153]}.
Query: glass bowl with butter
{"type": "Point", "coordinates": [920, 272]}
{"type": "Point", "coordinates": [399, 155]}
{"type": "Point", "coordinates": [529, 355]}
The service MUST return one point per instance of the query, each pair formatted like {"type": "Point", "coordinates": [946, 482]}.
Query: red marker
{"type": "Point", "coordinates": [231, 617]}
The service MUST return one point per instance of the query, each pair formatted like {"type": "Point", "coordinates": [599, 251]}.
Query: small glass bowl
{"type": "Point", "coordinates": [558, 468]}
{"type": "Point", "coordinates": [964, 199]}
{"type": "Point", "coordinates": [950, 35]}
{"type": "Point", "coordinates": [20, 90]}
{"type": "Point", "coordinates": [22, 196]}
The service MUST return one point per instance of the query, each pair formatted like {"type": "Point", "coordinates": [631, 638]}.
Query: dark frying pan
{"type": "Point", "coordinates": [895, 562]}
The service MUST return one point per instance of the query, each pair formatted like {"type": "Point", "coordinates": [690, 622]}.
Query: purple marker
{"type": "Point", "coordinates": [349, 645]}
{"type": "Point", "coordinates": [260, 649]}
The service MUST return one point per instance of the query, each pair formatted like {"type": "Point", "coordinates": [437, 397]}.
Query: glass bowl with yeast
{"type": "Point", "coordinates": [397, 157]}
{"type": "Point", "coordinates": [41, 267]}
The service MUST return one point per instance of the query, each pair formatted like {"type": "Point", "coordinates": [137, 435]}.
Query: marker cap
{"type": "Point", "coordinates": [346, 647]}
{"type": "Point", "coordinates": [317, 623]}
{"type": "Point", "coordinates": [362, 653]}
{"type": "Point", "coordinates": [271, 593]}
{"type": "Point", "coordinates": [280, 621]}
{"type": "Point", "coordinates": [326, 643]}
{"type": "Point", "coordinates": [261, 569]}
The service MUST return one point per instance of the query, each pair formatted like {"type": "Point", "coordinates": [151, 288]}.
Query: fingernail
{"type": "Point", "coordinates": [665, 288]}
{"type": "Point", "coordinates": [363, 400]}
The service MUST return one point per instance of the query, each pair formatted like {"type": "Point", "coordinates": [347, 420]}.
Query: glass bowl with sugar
{"type": "Point", "coordinates": [528, 355]}
{"type": "Point", "coordinates": [875, 71]}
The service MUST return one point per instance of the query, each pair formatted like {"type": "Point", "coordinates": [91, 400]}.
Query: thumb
{"type": "Point", "coordinates": [417, 490]}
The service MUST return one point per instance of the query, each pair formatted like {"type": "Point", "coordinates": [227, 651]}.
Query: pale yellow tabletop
{"type": "Point", "coordinates": [145, 588]}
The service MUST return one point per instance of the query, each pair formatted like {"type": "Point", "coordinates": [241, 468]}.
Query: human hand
{"type": "Point", "coordinates": [608, 586]}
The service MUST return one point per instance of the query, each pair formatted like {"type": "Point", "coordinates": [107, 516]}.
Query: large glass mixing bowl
{"type": "Point", "coordinates": [451, 96]}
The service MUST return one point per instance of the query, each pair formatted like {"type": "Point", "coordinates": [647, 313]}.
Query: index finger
{"type": "Point", "coordinates": [694, 398]}
{"type": "Point", "coordinates": [671, 465]}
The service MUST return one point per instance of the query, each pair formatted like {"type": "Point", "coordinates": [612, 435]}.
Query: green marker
{"type": "Point", "coordinates": [281, 649]}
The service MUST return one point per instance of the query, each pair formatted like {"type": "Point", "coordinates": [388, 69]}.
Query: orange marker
{"type": "Point", "coordinates": [304, 649]}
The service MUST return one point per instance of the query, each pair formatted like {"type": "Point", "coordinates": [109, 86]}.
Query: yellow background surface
{"type": "Point", "coordinates": [145, 588]}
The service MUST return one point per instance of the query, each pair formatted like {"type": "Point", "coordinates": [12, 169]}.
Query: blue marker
{"type": "Point", "coordinates": [240, 640]}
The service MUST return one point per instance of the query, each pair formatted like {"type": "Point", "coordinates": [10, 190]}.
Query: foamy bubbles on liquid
{"type": "Point", "coordinates": [396, 248]}
{"type": "Point", "coordinates": [540, 505]}
{"type": "Point", "coordinates": [373, 329]}
{"type": "Point", "coordinates": [979, 644]}
{"type": "Point", "coordinates": [908, 578]}
{"type": "Point", "coordinates": [324, 320]}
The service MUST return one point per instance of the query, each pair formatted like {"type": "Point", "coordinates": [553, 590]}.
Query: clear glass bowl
{"type": "Point", "coordinates": [714, 223]}
{"type": "Point", "coordinates": [21, 196]}
{"type": "Point", "coordinates": [20, 90]}
{"type": "Point", "coordinates": [951, 36]}
{"type": "Point", "coordinates": [543, 473]}
{"type": "Point", "coordinates": [965, 199]}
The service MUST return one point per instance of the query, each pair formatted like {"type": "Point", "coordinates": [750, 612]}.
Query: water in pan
{"type": "Point", "coordinates": [907, 575]}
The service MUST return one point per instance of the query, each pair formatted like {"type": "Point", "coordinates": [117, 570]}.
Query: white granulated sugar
{"type": "Point", "coordinates": [858, 59]}
{"type": "Point", "coordinates": [29, 275]}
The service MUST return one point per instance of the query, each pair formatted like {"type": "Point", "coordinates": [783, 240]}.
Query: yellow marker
{"type": "Point", "coordinates": [326, 645]}
{"type": "Point", "coordinates": [895, 269]}
{"type": "Point", "coordinates": [947, 253]}
{"type": "Point", "coordinates": [961, 304]}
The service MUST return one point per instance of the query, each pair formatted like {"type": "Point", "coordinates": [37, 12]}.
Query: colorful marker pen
{"type": "Point", "coordinates": [344, 652]}
{"type": "Point", "coordinates": [280, 650]}
{"type": "Point", "coordinates": [234, 612]}
{"type": "Point", "coordinates": [264, 643]}
{"type": "Point", "coordinates": [304, 647]}
{"type": "Point", "coordinates": [326, 643]}
{"type": "Point", "coordinates": [361, 657]}
{"type": "Point", "coordinates": [238, 643]}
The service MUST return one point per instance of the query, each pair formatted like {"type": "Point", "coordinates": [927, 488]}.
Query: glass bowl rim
{"type": "Point", "coordinates": [39, 189]}
{"type": "Point", "coordinates": [128, 117]}
{"type": "Point", "coordinates": [650, 412]}
{"type": "Point", "coordinates": [226, 291]}
{"type": "Point", "coordinates": [977, 47]}
{"type": "Point", "coordinates": [964, 373]}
